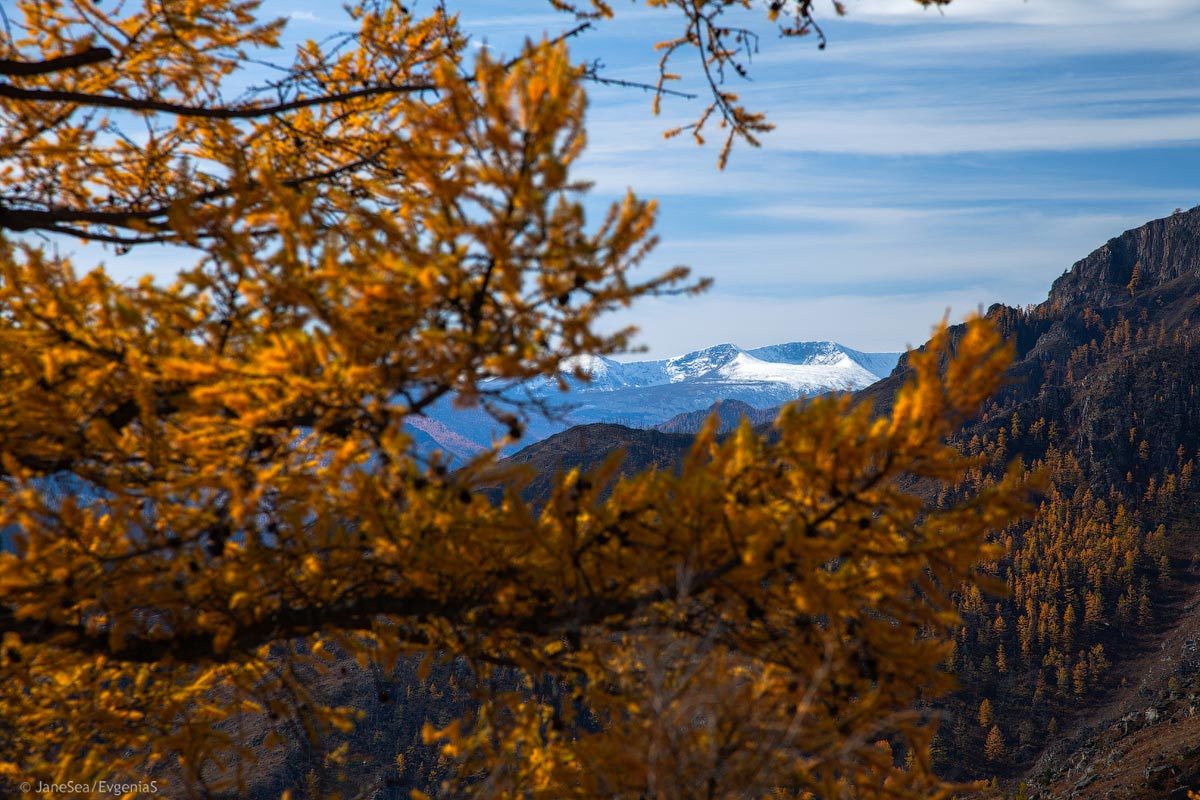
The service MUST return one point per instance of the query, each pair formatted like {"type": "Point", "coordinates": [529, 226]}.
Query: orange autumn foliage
{"type": "Point", "coordinates": [211, 498]}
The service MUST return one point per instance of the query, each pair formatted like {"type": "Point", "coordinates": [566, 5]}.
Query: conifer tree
{"type": "Point", "coordinates": [1079, 676]}
{"type": "Point", "coordinates": [985, 713]}
{"type": "Point", "coordinates": [993, 748]}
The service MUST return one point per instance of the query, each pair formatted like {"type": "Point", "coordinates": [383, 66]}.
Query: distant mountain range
{"type": "Point", "coordinates": [645, 394]}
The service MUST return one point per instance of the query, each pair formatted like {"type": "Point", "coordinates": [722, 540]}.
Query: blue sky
{"type": "Point", "coordinates": [923, 161]}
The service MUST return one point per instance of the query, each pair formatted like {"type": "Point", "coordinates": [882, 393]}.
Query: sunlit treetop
{"type": "Point", "coordinates": [143, 110]}
{"type": "Point", "coordinates": [114, 116]}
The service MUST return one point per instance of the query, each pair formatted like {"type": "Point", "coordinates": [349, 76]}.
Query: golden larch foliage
{"type": "Point", "coordinates": [210, 498]}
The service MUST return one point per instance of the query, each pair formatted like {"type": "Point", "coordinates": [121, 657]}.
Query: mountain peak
{"type": "Point", "coordinates": [826, 353]}
{"type": "Point", "coordinates": [1139, 259]}
{"type": "Point", "coordinates": [643, 394]}
{"type": "Point", "coordinates": [800, 352]}
{"type": "Point", "coordinates": [596, 369]}
{"type": "Point", "coordinates": [700, 362]}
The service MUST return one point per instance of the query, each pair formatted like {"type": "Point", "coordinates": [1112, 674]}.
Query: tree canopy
{"type": "Point", "coordinates": [210, 499]}
{"type": "Point", "coordinates": [154, 121]}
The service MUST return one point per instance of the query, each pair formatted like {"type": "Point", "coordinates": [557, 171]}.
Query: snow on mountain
{"type": "Point", "coordinates": [810, 367]}
{"type": "Point", "coordinates": [701, 363]}
{"type": "Point", "coordinates": [645, 373]}
{"type": "Point", "coordinates": [878, 364]}
{"type": "Point", "coordinates": [603, 375]}
{"type": "Point", "coordinates": [646, 393]}
{"type": "Point", "coordinates": [803, 379]}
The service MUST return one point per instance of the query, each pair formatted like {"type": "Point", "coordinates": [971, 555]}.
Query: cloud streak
{"type": "Point", "coordinates": [1059, 13]}
{"type": "Point", "coordinates": [934, 132]}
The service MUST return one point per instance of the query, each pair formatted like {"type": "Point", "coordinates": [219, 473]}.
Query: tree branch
{"type": "Point", "coordinates": [57, 219]}
{"type": "Point", "coordinates": [293, 622]}
{"type": "Point", "coordinates": [245, 112]}
{"type": "Point", "coordinates": [22, 69]}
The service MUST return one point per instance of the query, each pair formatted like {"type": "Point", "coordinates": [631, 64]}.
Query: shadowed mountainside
{"type": "Point", "coordinates": [730, 414]}
{"type": "Point", "coordinates": [587, 446]}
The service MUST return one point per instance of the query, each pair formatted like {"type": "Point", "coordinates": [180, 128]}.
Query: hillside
{"type": "Point", "coordinates": [730, 414]}
{"type": "Point", "coordinates": [1104, 398]}
{"type": "Point", "coordinates": [586, 447]}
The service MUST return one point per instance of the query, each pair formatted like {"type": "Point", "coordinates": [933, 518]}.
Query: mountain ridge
{"type": "Point", "coordinates": [643, 394]}
{"type": "Point", "coordinates": [730, 414]}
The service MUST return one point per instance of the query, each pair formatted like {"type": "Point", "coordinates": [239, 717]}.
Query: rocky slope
{"type": "Point", "coordinates": [1153, 255]}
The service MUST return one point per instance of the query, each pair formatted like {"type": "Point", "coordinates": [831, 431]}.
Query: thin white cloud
{"type": "Point", "coordinates": [1030, 12]}
{"type": "Point", "coordinates": [309, 18]}
{"type": "Point", "coordinates": [941, 131]}
{"type": "Point", "coordinates": [860, 215]}
{"type": "Point", "coordinates": [535, 21]}
{"type": "Point", "coordinates": [1008, 256]}
{"type": "Point", "coordinates": [931, 130]}
{"type": "Point", "coordinates": [995, 45]}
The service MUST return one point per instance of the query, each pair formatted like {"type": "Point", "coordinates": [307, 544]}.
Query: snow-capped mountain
{"type": "Point", "coordinates": [828, 353]}
{"type": "Point", "coordinates": [646, 393]}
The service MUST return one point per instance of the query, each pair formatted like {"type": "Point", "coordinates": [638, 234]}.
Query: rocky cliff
{"type": "Point", "coordinates": [1139, 260]}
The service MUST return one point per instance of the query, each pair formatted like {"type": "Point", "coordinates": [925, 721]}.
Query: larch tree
{"type": "Point", "coordinates": [210, 500]}
{"type": "Point", "coordinates": [993, 747]}
{"type": "Point", "coordinates": [985, 713]}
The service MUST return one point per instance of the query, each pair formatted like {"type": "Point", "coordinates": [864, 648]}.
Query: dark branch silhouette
{"type": "Point", "coordinates": [231, 112]}
{"type": "Point", "coordinates": [25, 69]}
